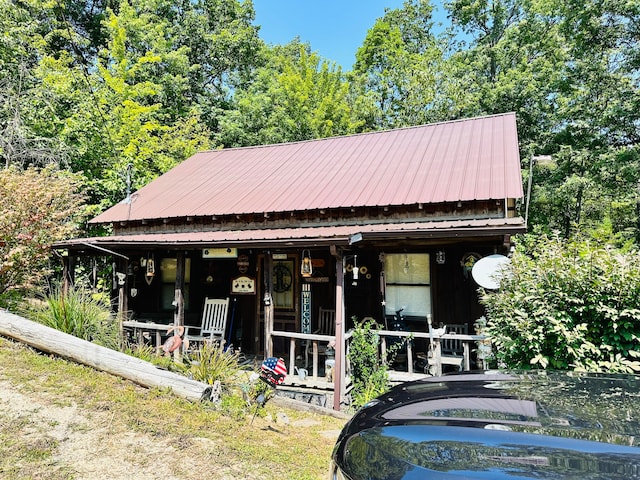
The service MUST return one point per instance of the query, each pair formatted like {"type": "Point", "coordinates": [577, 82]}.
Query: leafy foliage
{"type": "Point", "coordinates": [397, 65]}
{"type": "Point", "coordinates": [567, 305]}
{"type": "Point", "coordinates": [39, 207]}
{"type": "Point", "coordinates": [295, 96]}
{"type": "Point", "coordinates": [368, 372]}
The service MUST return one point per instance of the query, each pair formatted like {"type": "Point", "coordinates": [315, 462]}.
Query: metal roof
{"type": "Point", "coordinates": [462, 160]}
{"type": "Point", "coordinates": [309, 236]}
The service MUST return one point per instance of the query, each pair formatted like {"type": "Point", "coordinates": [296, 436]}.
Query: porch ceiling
{"type": "Point", "coordinates": [309, 236]}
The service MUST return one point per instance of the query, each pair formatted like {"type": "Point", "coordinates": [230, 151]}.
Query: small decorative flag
{"type": "Point", "coordinates": [273, 371]}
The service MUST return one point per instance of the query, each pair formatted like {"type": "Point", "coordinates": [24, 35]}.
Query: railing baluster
{"type": "Point", "coordinates": [315, 358]}
{"type": "Point", "coordinates": [292, 356]}
{"type": "Point", "coordinates": [383, 349]}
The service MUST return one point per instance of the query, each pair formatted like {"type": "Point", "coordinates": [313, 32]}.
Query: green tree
{"type": "Point", "coordinates": [21, 142]}
{"type": "Point", "coordinates": [295, 96]}
{"type": "Point", "coordinates": [397, 66]}
{"type": "Point", "coordinates": [596, 133]}
{"type": "Point", "coordinates": [117, 83]}
{"type": "Point", "coordinates": [569, 71]}
{"type": "Point", "coordinates": [506, 55]}
{"type": "Point", "coordinates": [125, 112]}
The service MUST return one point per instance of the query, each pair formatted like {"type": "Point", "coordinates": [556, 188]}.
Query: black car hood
{"type": "Point", "coordinates": [498, 425]}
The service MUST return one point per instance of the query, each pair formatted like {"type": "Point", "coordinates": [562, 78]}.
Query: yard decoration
{"type": "Point", "coordinates": [273, 372]}
{"type": "Point", "coordinates": [175, 341]}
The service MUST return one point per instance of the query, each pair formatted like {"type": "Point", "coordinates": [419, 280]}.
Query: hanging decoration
{"type": "Point", "coordinates": [306, 266]}
{"type": "Point", "coordinates": [151, 271]}
{"type": "Point", "coordinates": [355, 270]}
{"type": "Point", "coordinates": [243, 263]}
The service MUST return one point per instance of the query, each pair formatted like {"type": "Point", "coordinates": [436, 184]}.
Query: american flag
{"type": "Point", "coordinates": [273, 370]}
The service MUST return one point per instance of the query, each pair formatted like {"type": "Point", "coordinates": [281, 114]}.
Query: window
{"type": "Point", "coordinates": [408, 284]}
{"type": "Point", "coordinates": [168, 268]}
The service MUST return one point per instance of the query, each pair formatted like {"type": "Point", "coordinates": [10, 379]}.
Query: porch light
{"type": "Point", "coordinates": [151, 271]}
{"type": "Point", "coordinates": [306, 268]}
{"type": "Point", "coordinates": [440, 257]}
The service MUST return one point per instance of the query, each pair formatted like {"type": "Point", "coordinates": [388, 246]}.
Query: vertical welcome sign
{"type": "Point", "coordinates": [305, 320]}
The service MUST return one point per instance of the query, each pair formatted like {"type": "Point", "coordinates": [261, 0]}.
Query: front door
{"type": "Point", "coordinates": [285, 295]}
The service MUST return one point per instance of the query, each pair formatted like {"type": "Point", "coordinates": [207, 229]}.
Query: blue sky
{"type": "Point", "coordinates": [335, 29]}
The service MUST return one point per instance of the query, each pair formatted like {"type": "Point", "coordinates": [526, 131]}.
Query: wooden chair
{"type": "Point", "coordinates": [451, 346]}
{"type": "Point", "coordinates": [214, 322]}
{"type": "Point", "coordinates": [326, 326]}
{"type": "Point", "coordinates": [448, 352]}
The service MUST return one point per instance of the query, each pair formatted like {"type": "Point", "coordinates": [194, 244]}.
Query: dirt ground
{"type": "Point", "coordinates": [94, 444]}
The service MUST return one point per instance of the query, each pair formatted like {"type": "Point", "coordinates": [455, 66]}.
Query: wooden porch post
{"type": "Point", "coordinates": [120, 269]}
{"type": "Point", "coordinates": [339, 369]}
{"type": "Point", "coordinates": [178, 315]}
{"type": "Point", "coordinates": [68, 271]}
{"type": "Point", "coordinates": [268, 305]}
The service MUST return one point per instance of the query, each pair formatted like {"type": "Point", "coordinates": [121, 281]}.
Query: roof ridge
{"type": "Point", "coordinates": [352, 135]}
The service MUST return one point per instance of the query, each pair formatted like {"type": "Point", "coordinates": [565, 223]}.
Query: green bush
{"type": "Point", "coordinates": [76, 312]}
{"type": "Point", "coordinates": [368, 372]}
{"type": "Point", "coordinates": [567, 305]}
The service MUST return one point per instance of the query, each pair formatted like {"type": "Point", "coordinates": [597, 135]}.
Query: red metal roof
{"type": "Point", "coordinates": [472, 159]}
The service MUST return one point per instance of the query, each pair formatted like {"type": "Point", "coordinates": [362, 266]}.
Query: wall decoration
{"type": "Point", "coordinates": [243, 286]}
{"type": "Point", "coordinates": [469, 259]}
{"type": "Point", "coordinates": [243, 263]}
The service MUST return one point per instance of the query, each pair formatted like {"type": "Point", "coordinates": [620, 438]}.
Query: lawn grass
{"type": "Point", "coordinates": [252, 448]}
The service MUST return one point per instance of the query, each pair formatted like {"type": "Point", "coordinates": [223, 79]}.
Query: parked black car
{"type": "Point", "coordinates": [497, 425]}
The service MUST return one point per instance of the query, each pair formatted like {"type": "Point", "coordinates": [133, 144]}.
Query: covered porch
{"type": "Point", "coordinates": [410, 289]}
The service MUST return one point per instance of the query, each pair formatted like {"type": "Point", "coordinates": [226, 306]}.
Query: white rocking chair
{"type": "Point", "coordinates": [214, 323]}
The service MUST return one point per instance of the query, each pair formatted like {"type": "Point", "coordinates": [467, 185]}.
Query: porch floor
{"type": "Point", "coordinates": [396, 377]}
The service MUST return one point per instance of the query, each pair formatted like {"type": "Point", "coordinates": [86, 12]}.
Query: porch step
{"type": "Point", "coordinates": [310, 396]}
{"type": "Point", "coordinates": [308, 382]}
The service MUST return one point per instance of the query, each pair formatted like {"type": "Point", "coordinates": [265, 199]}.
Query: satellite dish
{"type": "Point", "coordinates": [487, 271]}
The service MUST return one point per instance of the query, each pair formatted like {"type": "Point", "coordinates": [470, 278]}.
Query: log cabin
{"type": "Point", "coordinates": [384, 225]}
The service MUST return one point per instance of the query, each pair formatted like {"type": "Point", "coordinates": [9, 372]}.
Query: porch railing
{"type": "Point", "coordinates": [435, 359]}
{"type": "Point", "coordinates": [296, 338]}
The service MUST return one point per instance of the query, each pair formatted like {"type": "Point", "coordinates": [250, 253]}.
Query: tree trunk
{"type": "Point", "coordinates": [101, 358]}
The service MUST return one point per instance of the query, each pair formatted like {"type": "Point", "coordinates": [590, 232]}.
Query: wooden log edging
{"type": "Point", "coordinates": [143, 373]}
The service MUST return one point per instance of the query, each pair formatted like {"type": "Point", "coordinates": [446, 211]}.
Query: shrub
{"type": "Point", "coordinates": [368, 371]}
{"type": "Point", "coordinates": [77, 313]}
{"type": "Point", "coordinates": [567, 305]}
